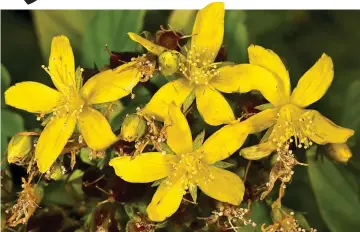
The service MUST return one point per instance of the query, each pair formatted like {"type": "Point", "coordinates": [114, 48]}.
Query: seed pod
{"type": "Point", "coordinates": [339, 152]}
{"type": "Point", "coordinates": [133, 128]}
{"type": "Point", "coordinates": [169, 62]}
{"type": "Point", "coordinates": [18, 149]}
{"type": "Point", "coordinates": [170, 39]}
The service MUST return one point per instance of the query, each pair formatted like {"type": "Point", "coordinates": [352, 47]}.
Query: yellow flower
{"type": "Point", "coordinates": [287, 117]}
{"type": "Point", "coordinates": [198, 71]}
{"type": "Point", "coordinates": [187, 169]}
{"type": "Point", "coordinates": [71, 104]}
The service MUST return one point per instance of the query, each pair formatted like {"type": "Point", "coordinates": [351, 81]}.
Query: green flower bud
{"type": "Point", "coordinates": [18, 148]}
{"type": "Point", "coordinates": [169, 62]}
{"type": "Point", "coordinates": [339, 152]}
{"type": "Point", "coordinates": [56, 172]}
{"type": "Point", "coordinates": [133, 128]}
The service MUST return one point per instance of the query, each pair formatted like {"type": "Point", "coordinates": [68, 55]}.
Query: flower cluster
{"type": "Point", "coordinates": [179, 164]}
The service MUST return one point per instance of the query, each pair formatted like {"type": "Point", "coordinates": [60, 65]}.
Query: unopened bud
{"type": "Point", "coordinates": [56, 172]}
{"type": "Point", "coordinates": [169, 62]}
{"type": "Point", "coordinates": [339, 152]}
{"type": "Point", "coordinates": [133, 128]}
{"type": "Point", "coordinates": [18, 148]}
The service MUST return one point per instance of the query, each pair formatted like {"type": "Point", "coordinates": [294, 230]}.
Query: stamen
{"type": "Point", "coordinates": [292, 126]}
{"type": "Point", "coordinates": [196, 69]}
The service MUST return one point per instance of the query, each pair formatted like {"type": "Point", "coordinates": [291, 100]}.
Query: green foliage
{"type": "Point", "coordinates": [71, 23]}
{"type": "Point", "coordinates": [199, 140]}
{"type": "Point", "coordinates": [5, 83]}
{"type": "Point", "coordinates": [11, 123]}
{"type": "Point", "coordinates": [236, 35]}
{"type": "Point", "coordinates": [350, 118]}
{"type": "Point", "coordinates": [337, 197]}
{"type": "Point", "coordinates": [188, 101]}
{"type": "Point", "coordinates": [182, 20]}
{"type": "Point", "coordinates": [110, 28]}
{"type": "Point", "coordinates": [260, 213]}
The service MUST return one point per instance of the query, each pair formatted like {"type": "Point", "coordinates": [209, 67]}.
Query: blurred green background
{"type": "Point", "coordinates": [327, 193]}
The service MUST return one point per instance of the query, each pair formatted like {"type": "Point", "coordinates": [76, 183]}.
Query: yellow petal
{"type": "Point", "coordinates": [222, 185]}
{"type": "Point", "coordinates": [212, 106]}
{"type": "Point", "coordinates": [62, 64]}
{"type": "Point", "coordinates": [314, 83]}
{"type": "Point", "coordinates": [227, 80]}
{"type": "Point", "coordinates": [258, 151]}
{"type": "Point", "coordinates": [150, 46]}
{"type": "Point", "coordinates": [208, 32]}
{"type": "Point", "coordinates": [95, 129]}
{"type": "Point", "coordinates": [174, 91]}
{"type": "Point", "coordinates": [271, 62]}
{"type": "Point", "coordinates": [224, 142]}
{"type": "Point", "coordinates": [247, 77]}
{"type": "Point", "coordinates": [166, 199]}
{"type": "Point", "coordinates": [32, 97]}
{"type": "Point", "coordinates": [178, 131]}
{"type": "Point", "coordinates": [262, 120]}
{"type": "Point", "coordinates": [325, 131]}
{"type": "Point", "coordinates": [111, 85]}
{"type": "Point", "coordinates": [144, 168]}
{"type": "Point", "coordinates": [53, 140]}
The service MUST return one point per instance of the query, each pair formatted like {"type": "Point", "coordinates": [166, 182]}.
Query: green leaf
{"type": "Point", "coordinates": [78, 78]}
{"type": "Point", "coordinates": [117, 108]}
{"type": "Point", "coordinates": [105, 160]}
{"type": "Point", "coordinates": [236, 35]}
{"type": "Point", "coordinates": [338, 201]}
{"type": "Point", "coordinates": [56, 193]}
{"type": "Point", "coordinates": [300, 197]}
{"type": "Point", "coordinates": [76, 175]}
{"type": "Point", "coordinates": [129, 210]}
{"type": "Point", "coordinates": [301, 220]}
{"type": "Point", "coordinates": [5, 83]}
{"type": "Point", "coordinates": [166, 148]}
{"type": "Point", "coordinates": [188, 101]}
{"type": "Point", "coordinates": [50, 23]}
{"type": "Point", "coordinates": [199, 140]}
{"type": "Point", "coordinates": [224, 165]}
{"type": "Point", "coordinates": [193, 191]}
{"type": "Point", "coordinates": [5, 79]}
{"type": "Point", "coordinates": [260, 214]}
{"type": "Point", "coordinates": [264, 106]}
{"type": "Point", "coordinates": [157, 183]}
{"type": "Point", "coordinates": [85, 154]}
{"type": "Point", "coordinates": [350, 118]}
{"type": "Point", "coordinates": [110, 27]}
{"type": "Point", "coordinates": [260, 22]}
{"type": "Point", "coordinates": [182, 20]}
{"type": "Point", "coordinates": [11, 123]}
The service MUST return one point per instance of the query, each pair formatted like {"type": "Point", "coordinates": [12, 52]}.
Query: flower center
{"type": "Point", "coordinates": [292, 124]}
{"type": "Point", "coordinates": [145, 66]}
{"type": "Point", "coordinates": [69, 105]}
{"type": "Point", "coordinates": [197, 69]}
{"type": "Point", "coordinates": [191, 169]}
